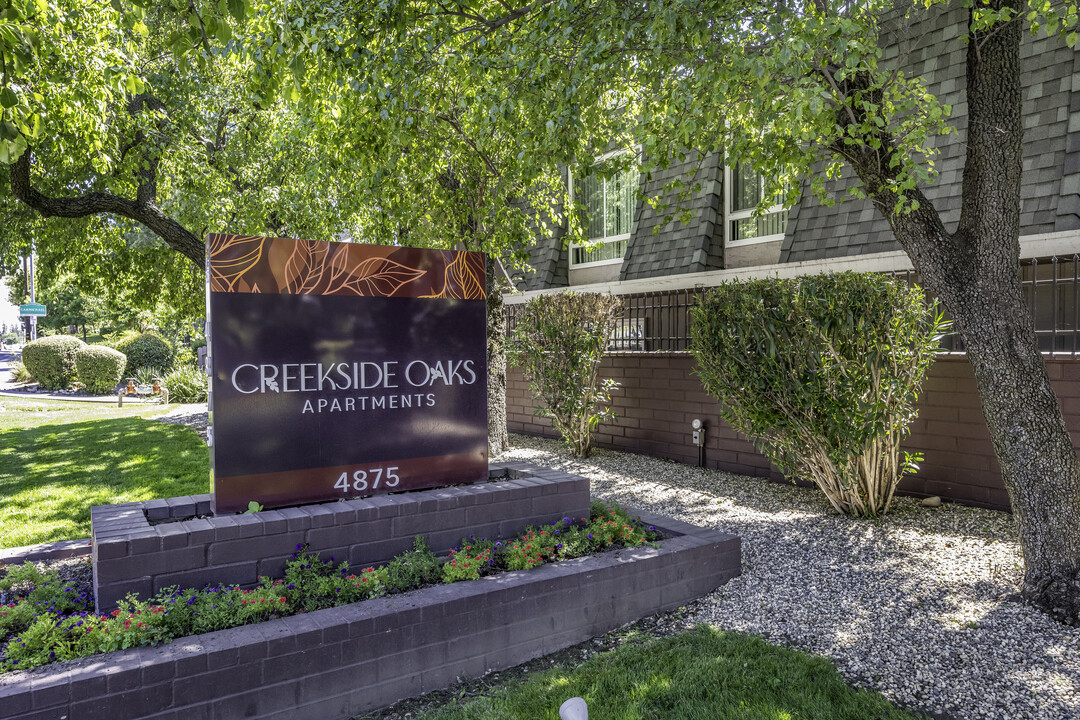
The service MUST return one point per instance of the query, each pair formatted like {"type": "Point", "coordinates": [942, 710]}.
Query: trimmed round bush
{"type": "Point", "coordinates": [51, 360]}
{"type": "Point", "coordinates": [146, 350]}
{"type": "Point", "coordinates": [186, 385]}
{"type": "Point", "coordinates": [100, 368]}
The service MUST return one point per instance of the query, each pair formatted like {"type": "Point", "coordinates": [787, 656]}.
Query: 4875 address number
{"type": "Point", "coordinates": [369, 479]}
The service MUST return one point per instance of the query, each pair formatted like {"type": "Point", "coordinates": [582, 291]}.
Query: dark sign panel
{"type": "Point", "coordinates": [343, 370]}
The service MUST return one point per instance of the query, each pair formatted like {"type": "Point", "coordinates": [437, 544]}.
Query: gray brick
{"type": "Point", "coordinates": [250, 525]}
{"type": "Point", "coordinates": [200, 531]}
{"type": "Point", "coordinates": [273, 522]}
{"type": "Point", "coordinates": [297, 518]}
{"type": "Point", "coordinates": [247, 549]}
{"type": "Point", "coordinates": [110, 549]}
{"type": "Point", "coordinates": [173, 535]}
{"type": "Point", "coordinates": [321, 516]}
{"type": "Point", "coordinates": [46, 692]}
{"type": "Point", "coordinates": [156, 510]}
{"type": "Point", "coordinates": [181, 508]}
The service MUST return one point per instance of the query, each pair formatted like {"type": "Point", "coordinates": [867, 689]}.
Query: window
{"type": "Point", "coordinates": [609, 207]}
{"type": "Point", "coordinates": [744, 191]}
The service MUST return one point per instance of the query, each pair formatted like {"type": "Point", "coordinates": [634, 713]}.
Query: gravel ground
{"type": "Point", "coordinates": [922, 606]}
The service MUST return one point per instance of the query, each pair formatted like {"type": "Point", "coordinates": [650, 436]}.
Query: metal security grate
{"type": "Point", "coordinates": [660, 321]}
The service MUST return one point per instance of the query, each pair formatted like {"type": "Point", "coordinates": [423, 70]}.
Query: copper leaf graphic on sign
{"type": "Point", "coordinates": [464, 277]}
{"type": "Point", "coordinates": [305, 267]}
{"type": "Point", "coordinates": [231, 256]}
{"type": "Point", "coordinates": [372, 277]}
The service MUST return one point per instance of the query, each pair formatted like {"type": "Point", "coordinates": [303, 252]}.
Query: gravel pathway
{"type": "Point", "coordinates": [921, 606]}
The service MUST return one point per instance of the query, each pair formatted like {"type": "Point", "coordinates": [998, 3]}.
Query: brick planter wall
{"type": "Point", "coordinates": [345, 661]}
{"type": "Point", "coordinates": [133, 555]}
{"type": "Point", "coordinates": [659, 397]}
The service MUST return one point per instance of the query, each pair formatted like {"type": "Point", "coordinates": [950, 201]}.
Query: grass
{"type": "Point", "coordinates": [59, 458]}
{"type": "Point", "coordinates": [702, 673]}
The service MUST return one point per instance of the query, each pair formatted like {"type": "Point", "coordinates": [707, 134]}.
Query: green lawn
{"type": "Point", "coordinates": [59, 458]}
{"type": "Point", "coordinates": [703, 673]}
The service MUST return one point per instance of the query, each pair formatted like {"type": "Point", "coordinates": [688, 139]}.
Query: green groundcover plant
{"type": "Point", "coordinates": [51, 621]}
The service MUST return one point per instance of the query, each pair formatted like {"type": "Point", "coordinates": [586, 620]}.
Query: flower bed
{"type": "Point", "coordinates": [54, 621]}
{"type": "Point", "coordinates": [342, 661]}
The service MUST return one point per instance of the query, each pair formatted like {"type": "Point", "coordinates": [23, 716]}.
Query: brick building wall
{"type": "Point", "coordinates": [658, 397]}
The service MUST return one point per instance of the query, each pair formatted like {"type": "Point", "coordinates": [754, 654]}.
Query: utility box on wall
{"type": "Point", "coordinates": [342, 370]}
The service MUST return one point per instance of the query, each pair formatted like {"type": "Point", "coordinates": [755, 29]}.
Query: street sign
{"type": "Point", "coordinates": [32, 310]}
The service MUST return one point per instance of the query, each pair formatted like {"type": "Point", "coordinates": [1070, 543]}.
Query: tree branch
{"type": "Point", "coordinates": [141, 210]}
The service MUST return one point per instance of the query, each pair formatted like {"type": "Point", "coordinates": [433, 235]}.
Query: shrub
{"type": "Point", "coordinates": [412, 569]}
{"type": "Point", "coordinates": [51, 360]}
{"type": "Point", "coordinates": [559, 342]}
{"type": "Point", "coordinates": [186, 385]}
{"type": "Point", "coordinates": [146, 350]}
{"type": "Point", "coordinates": [19, 373]}
{"type": "Point", "coordinates": [99, 368]}
{"type": "Point", "coordinates": [116, 339]}
{"type": "Point", "coordinates": [822, 372]}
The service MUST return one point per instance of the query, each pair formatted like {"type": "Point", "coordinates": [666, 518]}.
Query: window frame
{"type": "Point", "coordinates": [732, 216]}
{"type": "Point", "coordinates": [609, 238]}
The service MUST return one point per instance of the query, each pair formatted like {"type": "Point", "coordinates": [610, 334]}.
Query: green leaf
{"type": "Point", "coordinates": [8, 131]}
{"type": "Point", "coordinates": [12, 150]}
{"type": "Point", "coordinates": [237, 9]}
{"type": "Point", "coordinates": [8, 98]}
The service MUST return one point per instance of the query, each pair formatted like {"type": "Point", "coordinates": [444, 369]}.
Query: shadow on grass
{"type": "Point", "coordinates": [51, 475]}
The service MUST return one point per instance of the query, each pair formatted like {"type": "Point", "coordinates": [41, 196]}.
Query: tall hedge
{"type": "Point", "coordinates": [99, 368]}
{"type": "Point", "coordinates": [148, 350]}
{"type": "Point", "coordinates": [559, 342]}
{"type": "Point", "coordinates": [51, 360]}
{"type": "Point", "coordinates": [822, 373]}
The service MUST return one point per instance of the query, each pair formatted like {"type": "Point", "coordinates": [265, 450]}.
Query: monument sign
{"type": "Point", "coordinates": [342, 370]}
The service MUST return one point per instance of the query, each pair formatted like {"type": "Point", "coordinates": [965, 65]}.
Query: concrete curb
{"type": "Point", "coordinates": [45, 551]}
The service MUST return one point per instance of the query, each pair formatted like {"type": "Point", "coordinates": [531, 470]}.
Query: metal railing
{"type": "Point", "coordinates": [660, 321]}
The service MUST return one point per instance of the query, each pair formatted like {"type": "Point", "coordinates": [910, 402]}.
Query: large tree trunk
{"type": "Point", "coordinates": [498, 438]}
{"type": "Point", "coordinates": [974, 272]}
